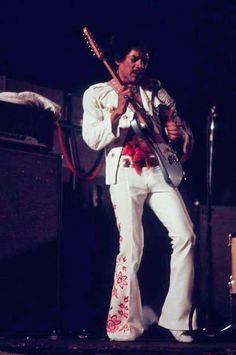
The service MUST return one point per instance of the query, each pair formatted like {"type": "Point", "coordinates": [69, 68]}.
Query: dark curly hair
{"type": "Point", "coordinates": [121, 46]}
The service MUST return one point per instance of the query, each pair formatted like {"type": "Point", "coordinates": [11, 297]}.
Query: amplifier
{"type": "Point", "coordinates": [30, 224]}
{"type": "Point", "coordinates": [26, 125]}
{"type": "Point", "coordinates": [223, 223]}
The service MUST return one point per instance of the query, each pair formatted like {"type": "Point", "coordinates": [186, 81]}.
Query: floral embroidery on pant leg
{"type": "Point", "coordinates": [124, 308]}
{"type": "Point", "coordinates": [113, 323]}
{"type": "Point", "coordinates": [119, 312]}
{"type": "Point", "coordinates": [114, 292]}
{"type": "Point", "coordinates": [119, 229]}
{"type": "Point", "coordinates": [116, 322]}
{"type": "Point", "coordinates": [121, 280]}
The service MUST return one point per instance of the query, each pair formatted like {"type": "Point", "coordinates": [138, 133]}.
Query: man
{"type": "Point", "coordinates": [135, 178]}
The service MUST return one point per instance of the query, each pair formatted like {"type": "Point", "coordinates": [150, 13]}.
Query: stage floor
{"type": "Point", "coordinates": [59, 345]}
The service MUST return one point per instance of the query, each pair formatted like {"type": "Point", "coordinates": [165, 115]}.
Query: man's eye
{"type": "Point", "coordinates": [135, 59]}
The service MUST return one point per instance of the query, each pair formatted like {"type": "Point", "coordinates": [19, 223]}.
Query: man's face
{"type": "Point", "coordinates": [133, 66]}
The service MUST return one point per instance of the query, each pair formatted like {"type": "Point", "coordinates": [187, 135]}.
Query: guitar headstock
{"type": "Point", "coordinates": [95, 49]}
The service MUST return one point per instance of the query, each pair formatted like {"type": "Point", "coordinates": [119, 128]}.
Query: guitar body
{"type": "Point", "coordinates": [169, 163]}
{"type": "Point", "coordinates": [168, 160]}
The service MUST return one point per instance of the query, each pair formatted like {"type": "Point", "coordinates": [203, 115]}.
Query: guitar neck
{"type": "Point", "coordinates": [111, 71]}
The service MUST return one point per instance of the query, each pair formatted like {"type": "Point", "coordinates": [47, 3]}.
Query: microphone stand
{"type": "Point", "coordinates": [209, 271]}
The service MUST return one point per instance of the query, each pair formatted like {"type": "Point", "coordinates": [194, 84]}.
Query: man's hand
{"type": "Point", "coordinates": [123, 100]}
{"type": "Point", "coordinates": [172, 130]}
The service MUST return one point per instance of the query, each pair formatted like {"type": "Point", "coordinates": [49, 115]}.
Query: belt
{"type": "Point", "coordinates": [126, 161]}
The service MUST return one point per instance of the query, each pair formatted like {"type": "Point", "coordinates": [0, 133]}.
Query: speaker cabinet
{"type": "Point", "coordinates": [30, 222]}
{"type": "Point", "coordinates": [223, 222]}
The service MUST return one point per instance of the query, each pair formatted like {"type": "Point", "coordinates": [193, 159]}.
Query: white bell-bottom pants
{"type": "Point", "coordinates": [128, 197]}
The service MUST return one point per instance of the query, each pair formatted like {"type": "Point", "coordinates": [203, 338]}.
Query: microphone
{"type": "Point", "coordinates": [211, 124]}
{"type": "Point", "coordinates": [212, 112]}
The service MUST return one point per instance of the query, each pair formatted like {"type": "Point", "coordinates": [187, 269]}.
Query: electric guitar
{"type": "Point", "coordinates": [142, 124]}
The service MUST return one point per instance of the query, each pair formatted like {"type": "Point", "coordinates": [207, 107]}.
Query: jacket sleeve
{"type": "Point", "coordinates": [96, 126]}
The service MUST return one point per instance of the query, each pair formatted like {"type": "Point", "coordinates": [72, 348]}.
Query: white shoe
{"type": "Point", "coordinates": [149, 317]}
{"type": "Point", "coordinates": [180, 336]}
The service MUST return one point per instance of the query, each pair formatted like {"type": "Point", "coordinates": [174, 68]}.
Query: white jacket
{"type": "Point", "coordinates": [99, 101]}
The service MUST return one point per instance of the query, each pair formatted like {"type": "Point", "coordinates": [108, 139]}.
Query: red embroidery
{"type": "Point", "coordinates": [121, 280]}
{"type": "Point", "coordinates": [117, 322]}
{"type": "Point", "coordinates": [115, 292]}
{"type": "Point", "coordinates": [124, 310]}
{"type": "Point", "coordinates": [125, 328]}
{"type": "Point", "coordinates": [119, 310]}
{"type": "Point", "coordinates": [113, 323]}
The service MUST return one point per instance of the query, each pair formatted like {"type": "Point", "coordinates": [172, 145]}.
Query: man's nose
{"type": "Point", "coordinates": [140, 64]}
